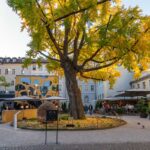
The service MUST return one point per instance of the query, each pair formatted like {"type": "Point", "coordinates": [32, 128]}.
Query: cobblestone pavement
{"type": "Point", "coordinates": [121, 146]}
{"type": "Point", "coordinates": [123, 138]}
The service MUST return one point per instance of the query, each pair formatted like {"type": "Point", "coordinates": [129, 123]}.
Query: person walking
{"type": "Point", "coordinates": [91, 109]}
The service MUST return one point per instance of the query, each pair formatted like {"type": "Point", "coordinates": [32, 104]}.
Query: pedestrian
{"type": "Point", "coordinates": [86, 109]}
{"type": "Point", "coordinates": [91, 109]}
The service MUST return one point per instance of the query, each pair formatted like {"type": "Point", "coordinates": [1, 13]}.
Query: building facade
{"type": "Point", "coordinates": [142, 83]}
{"type": "Point", "coordinates": [12, 69]}
{"type": "Point", "coordinates": [121, 84]}
{"type": "Point", "coordinates": [91, 91]}
{"type": "Point", "coordinates": [37, 86]}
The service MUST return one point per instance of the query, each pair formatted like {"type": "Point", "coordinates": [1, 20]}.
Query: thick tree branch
{"type": "Point", "coordinates": [48, 57]}
{"type": "Point", "coordinates": [101, 67]}
{"type": "Point", "coordinates": [77, 52]}
{"type": "Point", "coordinates": [67, 30]}
{"type": "Point", "coordinates": [75, 46]}
{"type": "Point", "coordinates": [82, 41]}
{"type": "Point", "coordinates": [92, 56]}
{"type": "Point", "coordinates": [45, 21]}
{"type": "Point", "coordinates": [53, 40]}
{"type": "Point", "coordinates": [39, 6]}
{"type": "Point", "coordinates": [136, 42]}
{"type": "Point", "coordinates": [80, 10]}
{"type": "Point", "coordinates": [107, 60]}
{"type": "Point", "coordinates": [86, 77]}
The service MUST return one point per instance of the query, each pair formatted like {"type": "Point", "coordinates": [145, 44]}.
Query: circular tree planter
{"type": "Point", "coordinates": [93, 123]}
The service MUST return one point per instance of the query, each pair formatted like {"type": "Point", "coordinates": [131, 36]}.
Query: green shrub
{"type": "Point", "coordinates": [64, 117]}
{"type": "Point", "coordinates": [119, 110]}
{"type": "Point", "coordinates": [141, 106]}
{"type": "Point", "coordinates": [98, 105]}
{"type": "Point", "coordinates": [64, 107]}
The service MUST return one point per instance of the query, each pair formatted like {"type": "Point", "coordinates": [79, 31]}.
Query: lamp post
{"type": "Point", "coordinates": [57, 125]}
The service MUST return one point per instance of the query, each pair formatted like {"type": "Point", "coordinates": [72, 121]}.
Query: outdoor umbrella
{"type": "Point", "coordinates": [20, 98]}
{"type": "Point", "coordinates": [55, 98]}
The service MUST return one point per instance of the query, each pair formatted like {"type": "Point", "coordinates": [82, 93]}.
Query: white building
{"type": "Point", "coordinates": [91, 91]}
{"type": "Point", "coordinates": [11, 67]}
{"type": "Point", "coordinates": [122, 84]}
{"type": "Point", "coordinates": [141, 83]}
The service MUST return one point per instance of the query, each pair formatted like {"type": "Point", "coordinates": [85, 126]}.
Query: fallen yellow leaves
{"type": "Point", "coordinates": [88, 123]}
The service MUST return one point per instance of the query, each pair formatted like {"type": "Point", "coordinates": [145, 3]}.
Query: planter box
{"type": "Point", "coordinates": [143, 115]}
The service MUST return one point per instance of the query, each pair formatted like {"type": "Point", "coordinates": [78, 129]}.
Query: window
{"type": "Point", "coordinates": [132, 86]}
{"type": "Point", "coordinates": [25, 80]}
{"type": "Point", "coordinates": [86, 99]}
{"type": "Point", "coordinates": [41, 68]}
{"type": "Point", "coordinates": [102, 95]}
{"type": "Point", "coordinates": [36, 82]}
{"type": "Point", "coordinates": [6, 71]}
{"type": "Point", "coordinates": [138, 86]}
{"type": "Point", "coordinates": [34, 67]}
{"type": "Point", "coordinates": [14, 60]}
{"type": "Point", "coordinates": [22, 71]}
{"type": "Point", "coordinates": [92, 87]}
{"type": "Point", "coordinates": [47, 83]}
{"type": "Point", "coordinates": [12, 82]}
{"type": "Point", "coordinates": [8, 60]}
{"type": "Point", "coordinates": [13, 71]}
{"type": "Point", "coordinates": [144, 85]}
{"type": "Point", "coordinates": [60, 87]}
{"type": "Point", "coordinates": [86, 87]}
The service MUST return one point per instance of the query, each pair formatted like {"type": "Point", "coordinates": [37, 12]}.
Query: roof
{"type": "Point", "coordinates": [6, 95]}
{"type": "Point", "coordinates": [55, 98]}
{"type": "Point", "coordinates": [119, 98]}
{"type": "Point", "coordinates": [141, 79]}
{"type": "Point", "coordinates": [16, 60]}
{"type": "Point", "coordinates": [20, 98]}
{"type": "Point", "coordinates": [134, 93]}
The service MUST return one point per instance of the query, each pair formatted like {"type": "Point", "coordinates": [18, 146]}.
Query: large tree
{"type": "Point", "coordinates": [4, 83]}
{"type": "Point", "coordinates": [85, 38]}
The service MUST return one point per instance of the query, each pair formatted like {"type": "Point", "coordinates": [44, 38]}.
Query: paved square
{"type": "Point", "coordinates": [131, 136]}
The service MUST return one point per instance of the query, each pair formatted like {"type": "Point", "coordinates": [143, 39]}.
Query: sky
{"type": "Point", "coordinates": [13, 42]}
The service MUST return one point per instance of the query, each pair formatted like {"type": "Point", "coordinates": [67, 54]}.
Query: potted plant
{"type": "Point", "coordinates": [144, 112]}
{"type": "Point", "coordinates": [142, 108]}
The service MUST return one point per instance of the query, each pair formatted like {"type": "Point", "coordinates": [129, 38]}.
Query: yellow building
{"type": "Point", "coordinates": [36, 85]}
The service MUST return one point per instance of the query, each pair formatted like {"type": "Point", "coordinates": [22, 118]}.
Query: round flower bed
{"type": "Point", "coordinates": [90, 123]}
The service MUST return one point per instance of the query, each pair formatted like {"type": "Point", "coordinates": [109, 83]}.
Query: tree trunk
{"type": "Point", "coordinates": [74, 93]}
